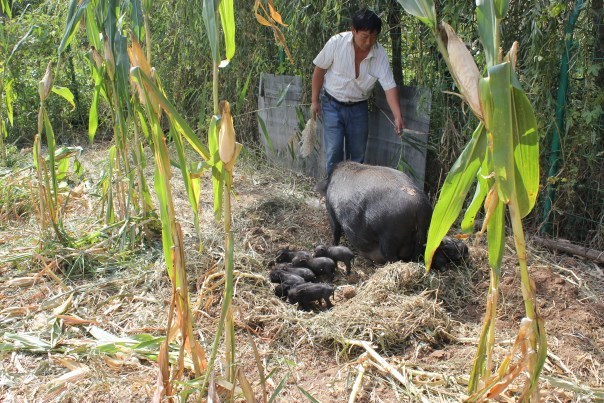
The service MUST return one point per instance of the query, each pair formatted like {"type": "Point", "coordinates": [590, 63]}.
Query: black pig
{"type": "Point", "coordinates": [305, 294]}
{"type": "Point", "coordinates": [383, 214]}
{"type": "Point", "coordinates": [303, 272]}
{"type": "Point", "coordinates": [450, 250]}
{"type": "Point", "coordinates": [337, 254]}
{"type": "Point", "coordinates": [321, 266]}
{"type": "Point", "coordinates": [281, 290]}
{"type": "Point", "coordinates": [286, 255]}
{"type": "Point", "coordinates": [280, 276]}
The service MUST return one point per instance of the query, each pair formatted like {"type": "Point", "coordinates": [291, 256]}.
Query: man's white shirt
{"type": "Point", "coordinates": [337, 57]}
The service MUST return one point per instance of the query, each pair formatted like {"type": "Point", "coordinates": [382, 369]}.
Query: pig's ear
{"type": "Point", "coordinates": [321, 187]}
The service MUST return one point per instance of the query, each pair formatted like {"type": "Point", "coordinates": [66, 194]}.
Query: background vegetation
{"type": "Point", "coordinates": [182, 57]}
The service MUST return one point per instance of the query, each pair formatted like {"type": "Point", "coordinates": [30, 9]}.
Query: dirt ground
{"type": "Point", "coordinates": [52, 347]}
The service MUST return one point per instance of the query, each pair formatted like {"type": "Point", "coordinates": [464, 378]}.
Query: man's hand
{"type": "Point", "coordinates": [316, 108]}
{"type": "Point", "coordinates": [399, 125]}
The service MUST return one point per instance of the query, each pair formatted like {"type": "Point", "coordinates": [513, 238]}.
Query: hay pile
{"type": "Point", "coordinates": [387, 311]}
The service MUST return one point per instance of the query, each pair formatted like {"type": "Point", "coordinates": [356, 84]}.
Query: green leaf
{"type": "Point", "coordinates": [9, 99]}
{"type": "Point", "coordinates": [122, 70]}
{"type": "Point", "coordinates": [65, 93]}
{"type": "Point", "coordinates": [283, 94]}
{"type": "Point", "coordinates": [20, 43]}
{"type": "Point", "coordinates": [502, 130]}
{"type": "Point", "coordinates": [487, 27]}
{"type": "Point", "coordinates": [92, 30]}
{"type": "Point", "coordinates": [227, 18]}
{"type": "Point", "coordinates": [243, 92]}
{"type": "Point", "coordinates": [277, 390]}
{"type": "Point", "coordinates": [482, 188]}
{"type": "Point", "coordinates": [186, 176]}
{"type": "Point", "coordinates": [137, 19]}
{"type": "Point", "coordinates": [179, 122]}
{"type": "Point", "coordinates": [51, 143]}
{"type": "Point", "coordinates": [501, 8]}
{"type": "Point", "coordinates": [6, 8]}
{"type": "Point", "coordinates": [209, 20]}
{"type": "Point", "coordinates": [526, 152]}
{"type": "Point", "coordinates": [307, 395]}
{"type": "Point", "coordinates": [267, 137]}
{"type": "Point", "coordinates": [217, 166]}
{"type": "Point", "coordinates": [422, 9]}
{"type": "Point", "coordinates": [93, 115]}
{"type": "Point", "coordinates": [76, 9]}
{"type": "Point", "coordinates": [496, 238]}
{"type": "Point", "coordinates": [454, 191]}
{"type": "Point", "coordinates": [27, 342]}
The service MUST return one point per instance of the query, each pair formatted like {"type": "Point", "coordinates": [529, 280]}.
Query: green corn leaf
{"type": "Point", "coordinates": [502, 130]}
{"type": "Point", "coordinates": [65, 93]}
{"type": "Point", "coordinates": [422, 9]}
{"type": "Point", "coordinates": [179, 122]}
{"type": "Point", "coordinates": [93, 115]}
{"type": "Point", "coordinates": [62, 169]}
{"type": "Point", "coordinates": [9, 99]}
{"type": "Point", "coordinates": [487, 27]}
{"type": "Point", "coordinates": [137, 18]}
{"type": "Point", "coordinates": [227, 18]}
{"type": "Point", "coordinates": [92, 30]}
{"type": "Point", "coordinates": [161, 184]}
{"type": "Point", "coordinates": [76, 10]}
{"type": "Point", "coordinates": [482, 187]}
{"type": "Point", "coordinates": [122, 69]}
{"type": "Point", "coordinates": [496, 238]}
{"type": "Point", "coordinates": [209, 20]}
{"type": "Point", "coordinates": [6, 9]}
{"type": "Point", "coordinates": [217, 166]}
{"type": "Point", "coordinates": [51, 144]}
{"type": "Point", "coordinates": [454, 191]}
{"type": "Point", "coordinates": [526, 152]}
{"type": "Point", "coordinates": [186, 175]}
{"type": "Point", "coordinates": [213, 139]}
{"type": "Point", "coordinates": [501, 8]}
{"type": "Point", "coordinates": [109, 19]}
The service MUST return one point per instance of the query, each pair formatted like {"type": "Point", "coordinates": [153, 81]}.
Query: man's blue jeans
{"type": "Point", "coordinates": [345, 131]}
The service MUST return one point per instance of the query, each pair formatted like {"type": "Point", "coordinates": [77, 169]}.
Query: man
{"type": "Point", "coordinates": [347, 69]}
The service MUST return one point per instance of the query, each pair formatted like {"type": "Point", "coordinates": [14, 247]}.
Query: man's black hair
{"type": "Point", "coordinates": [366, 20]}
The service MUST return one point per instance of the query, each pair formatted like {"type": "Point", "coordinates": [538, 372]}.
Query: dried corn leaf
{"type": "Point", "coordinates": [248, 392]}
{"type": "Point", "coordinates": [22, 281]}
{"type": "Point", "coordinates": [464, 68]}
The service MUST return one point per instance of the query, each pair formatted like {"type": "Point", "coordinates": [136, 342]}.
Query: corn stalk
{"type": "Point", "coordinates": [503, 158]}
{"type": "Point", "coordinates": [153, 104]}
{"type": "Point", "coordinates": [125, 191]}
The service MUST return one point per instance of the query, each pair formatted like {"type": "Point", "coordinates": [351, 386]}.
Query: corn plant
{"type": "Point", "coordinates": [223, 151]}
{"type": "Point", "coordinates": [503, 158]}
{"type": "Point", "coordinates": [49, 171]}
{"type": "Point", "coordinates": [125, 190]}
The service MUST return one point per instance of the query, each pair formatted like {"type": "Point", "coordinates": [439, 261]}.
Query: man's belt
{"type": "Point", "coordinates": [330, 97]}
